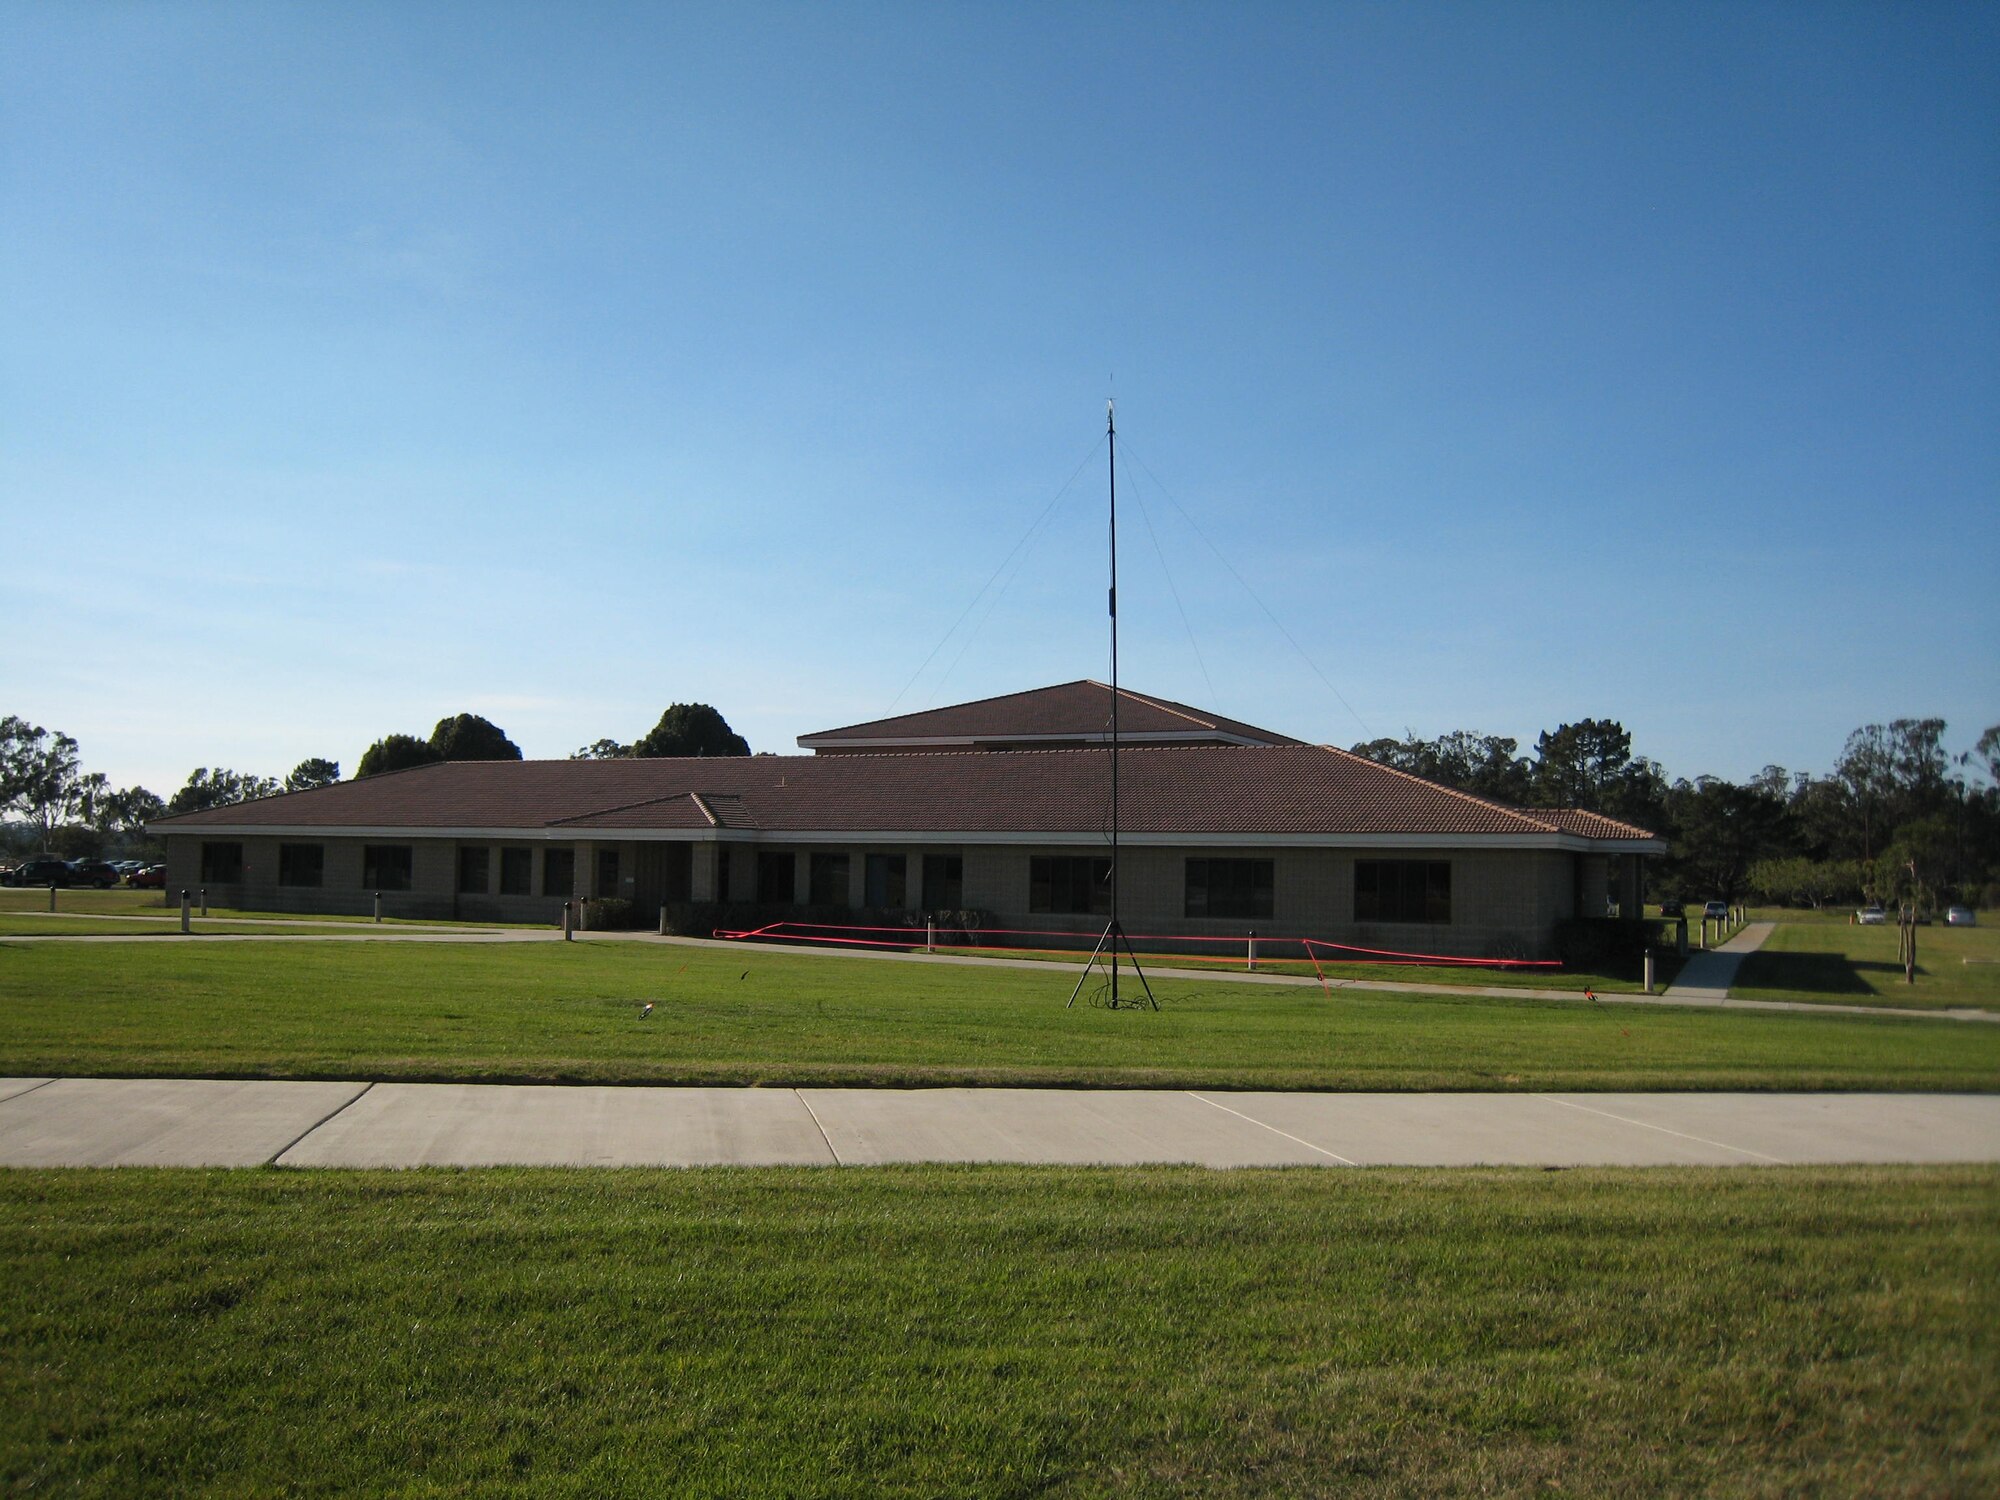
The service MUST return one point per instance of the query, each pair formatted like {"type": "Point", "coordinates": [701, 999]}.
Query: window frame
{"type": "Point", "coordinates": [1403, 892]}
{"type": "Point", "coordinates": [1246, 891]}
{"type": "Point", "coordinates": [1053, 880]}
{"type": "Point", "coordinates": [290, 874]}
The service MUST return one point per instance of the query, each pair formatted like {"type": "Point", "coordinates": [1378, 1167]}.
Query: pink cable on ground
{"type": "Point", "coordinates": [907, 937]}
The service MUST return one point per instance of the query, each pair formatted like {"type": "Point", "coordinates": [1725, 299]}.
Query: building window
{"type": "Point", "coordinates": [1228, 888]}
{"type": "Point", "coordinates": [301, 864]}
{"type": "Point", "coordinates": [829, 880]}
{"type": "Point", "coordinates": [1077, 884]}
{"type": "Point", "coordinates": [607, 872]}
{"type": "Point", "coordinates": [777, 878]}
{"type": "Point", "coordinates": [221, 864]}
{"type": "Point", "coordinates": [722, 873]}
{"type": "Point", "coordinates": [385, 867]}
{"type": "Point", "coordinates": [473, 864]}
{"type": "Point", "coordinates": [517, 872]}
{"type": "Point", "coordinates": [559, 873]}
{"type": "Point", "coordinates": [944, 882]}
{"type": "Point", "coordinates": [885, 883]}
{"type": "Point", "coordinates": [1402, 890]}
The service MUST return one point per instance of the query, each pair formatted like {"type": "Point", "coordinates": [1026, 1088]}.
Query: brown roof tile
{"type": "Point", "coordinates": [1201, 789]}
{"type": "Point", "coordinates": [1070, 710]}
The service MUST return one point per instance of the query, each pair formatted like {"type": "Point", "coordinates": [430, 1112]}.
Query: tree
{"type": "Point", "coordinates": [39, 776]}
{"type": "Point", "coordinates": [469, 737]}
{"type": "Point", "coordinates": [219, 788]}
{"type": "Point", "coordinates": [602, 750]}
{"type": "Point", "coordinates": [396, 752]}
{"type": "Point", "coordinates": [313, 772]}
{"type": "Point", "coordinates": [1720, 831]}
{"type": "Point", "coordinates": [1867, 768]}
{"type": "Point", "coordinates": [691, 729]}
{"type": "Point", "coordinates": [1484, 764]}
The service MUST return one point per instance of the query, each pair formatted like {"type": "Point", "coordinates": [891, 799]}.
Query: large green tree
{"type": "Point", "coordinates": [397, 752]}
{"type": "Point", "coordinates": [40, 777]}
{"type": "Point", "coordinates": [469, 737]}
{"type": "Point", "coordinates": [315, 771]}
{"type": "Point", "coordinates": [207, 788]}
{"type": "Point", "coordinates": [691, 729]}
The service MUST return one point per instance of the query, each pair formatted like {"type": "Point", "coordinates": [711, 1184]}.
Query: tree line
{"type": "Point", "coordinates": [1897, 818]}
{"type": "Point", "coordinates": [63, 809]}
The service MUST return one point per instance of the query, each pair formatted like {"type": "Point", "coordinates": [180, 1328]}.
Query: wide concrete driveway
{"type": "Point", "coordinates": [205, 1122]}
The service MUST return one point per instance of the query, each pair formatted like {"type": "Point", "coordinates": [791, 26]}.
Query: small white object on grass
{"type": "Point", "coordinates": [646, 1011]}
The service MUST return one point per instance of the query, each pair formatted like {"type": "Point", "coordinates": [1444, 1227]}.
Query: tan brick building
{"type": "Point", "coordinates": [1000, 807]}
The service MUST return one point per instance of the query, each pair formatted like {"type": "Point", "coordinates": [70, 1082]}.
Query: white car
{"type": "Point", "coordinates": [1960, 916]}
{"type": "Point", "coordinates": [1872, 916]}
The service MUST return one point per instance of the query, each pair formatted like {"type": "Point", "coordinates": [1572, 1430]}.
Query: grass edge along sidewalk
{"type": "Point", "coordinates": [562, 1013]}
{"type": "Point", "coordinates": [998, 1331]}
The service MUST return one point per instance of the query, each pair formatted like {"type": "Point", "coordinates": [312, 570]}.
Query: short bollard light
{"type": "Point", "coordinates": [378, 906]}
{"type": "Point", "coordinates": [52, 895]}
{"type": "Point", "coordinates": [204, 901]}
{"type": "Point", "coordinates": [930, 935]}
{"type": "Point", "coordinates": [663, 921]}
{"type": "Point", "coordinates": [1649, 971]}
{"type": "Point", "coordinates": [1250, 952]}
{"type": "Point", "coordinates": [565, 922]}
{"type": "Point", "coordinates": [184, 909]}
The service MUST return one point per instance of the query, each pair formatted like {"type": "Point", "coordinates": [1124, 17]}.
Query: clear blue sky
{"type": "Point", "coordinates": [364, 364]}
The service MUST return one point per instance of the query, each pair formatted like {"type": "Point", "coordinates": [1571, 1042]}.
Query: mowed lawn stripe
{"type": "Point", "coordinates": [573, 1013]}
{"type": "Point", "coordinates": [1001, 1332]}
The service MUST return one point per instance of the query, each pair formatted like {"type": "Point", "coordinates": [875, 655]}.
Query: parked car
{"type": "Point", "coordinates": [93, 872]}
{"type": "Point", "coordinates": [1872, 916]}
{"type": "Point", "coordinates": [1716, 911]}
{"type": "Point", "coordinates": [46, 870]}
{"type": "Point", "coordinates": [1672, 909]}
{"type": "Point", "coordinates": [151, 878]}
{"type": "Point", "coordinates": [1960, 916]}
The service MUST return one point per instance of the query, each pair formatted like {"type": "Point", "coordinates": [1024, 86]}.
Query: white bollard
{"type": "Point", "coordinates": [663, 921]}
{"type": "Point", "coordinates": [1649, 971]}
{"type": "Point", "coordinates": [204, 901]}
{"type": "Point", "coordinates": [565, 923]}
{"type": "Point", "coordinates": [930, 935]}
{"type": "Point", "coordinates": [1250, 952]}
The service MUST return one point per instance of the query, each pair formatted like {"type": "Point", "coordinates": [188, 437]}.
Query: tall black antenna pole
{"type": "Point", "coordinates": [1114, 931]}
{"type": "Point", "coordinates": [1111, 441]}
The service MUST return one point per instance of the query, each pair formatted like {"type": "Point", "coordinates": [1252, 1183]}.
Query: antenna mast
{"type": "Point", "coordinates": [1114, 932]}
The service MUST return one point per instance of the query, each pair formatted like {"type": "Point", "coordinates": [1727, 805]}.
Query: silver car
{"type": "Point", "coordinates": [1960, 916]}
{"type": "Point", "coordinates": [1871, 916]}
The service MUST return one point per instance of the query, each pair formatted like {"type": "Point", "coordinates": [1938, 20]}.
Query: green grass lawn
{"type": "Point", "coordinates": [570, 1013]}
{"type": "Point", "coordinates": [1001, 1331]}
{"type": "Point", "coordinates": [122, 901]}
{"type": "Point", "coordinates": [1861, 965]}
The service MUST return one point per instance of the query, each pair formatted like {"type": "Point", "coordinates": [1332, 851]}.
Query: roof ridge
{"type": "Point", "coordinates": [598, 812]}
{"type": "Point", "coordinates": [1168, 706]}
{"type": "Point", "coordinates": [1439, 786]}
{"type": "Point", "coordinates": [969, 703]}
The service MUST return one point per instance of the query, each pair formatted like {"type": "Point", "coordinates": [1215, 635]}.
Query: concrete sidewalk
{"type": "Point", "coordinates": [1706, 977]}
{"type": "Point", "coordinates": [88, 1122]}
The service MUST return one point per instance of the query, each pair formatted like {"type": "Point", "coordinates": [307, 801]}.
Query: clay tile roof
{"type": "Point", "coordinates": [1188, 789]}
{"type": "Point", "coordinates": [1077, 711]}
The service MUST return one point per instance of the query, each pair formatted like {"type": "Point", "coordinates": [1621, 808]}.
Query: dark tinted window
{"type": "Point", "coordinates": [473, 866]}
{"type": "Point", "coordinates": [1402, 890]}
{"type": "Point", "coordinates": [385, 867]}
{"type": "Point", "coordinates": [517, 872]}
{"type": "Point", "coordinates": [221, 864]}
{"type": "Point", "coordinates": [1069, 883]}
{"type": "Point", "coordinates": [301, 864]}
{"type": "Point", "coordinates": [1229, 888]}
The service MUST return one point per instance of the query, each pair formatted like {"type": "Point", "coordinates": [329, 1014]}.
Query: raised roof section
{"type": "Point", "coordinates": [1066, 715]}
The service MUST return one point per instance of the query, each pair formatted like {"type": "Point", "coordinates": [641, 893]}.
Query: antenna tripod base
{"type": "Point", "coordinates": [1108, 944]}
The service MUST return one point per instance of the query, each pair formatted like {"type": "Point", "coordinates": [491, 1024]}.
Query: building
{"type": "Point", "coordinates": [1000, 807]}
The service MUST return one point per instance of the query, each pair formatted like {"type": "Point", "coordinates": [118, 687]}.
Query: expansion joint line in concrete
{"type": "Point", "coordinates": [29, 1090]}
{"type": "Point", "coordinates": [323, 1119]}
{"type": "Point", "coordinates": [800, 1096]}
{"type": "Point", "coordinates": [1274, 1130]}
{"type": "Point", "coordinates": [1648, 1125]}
